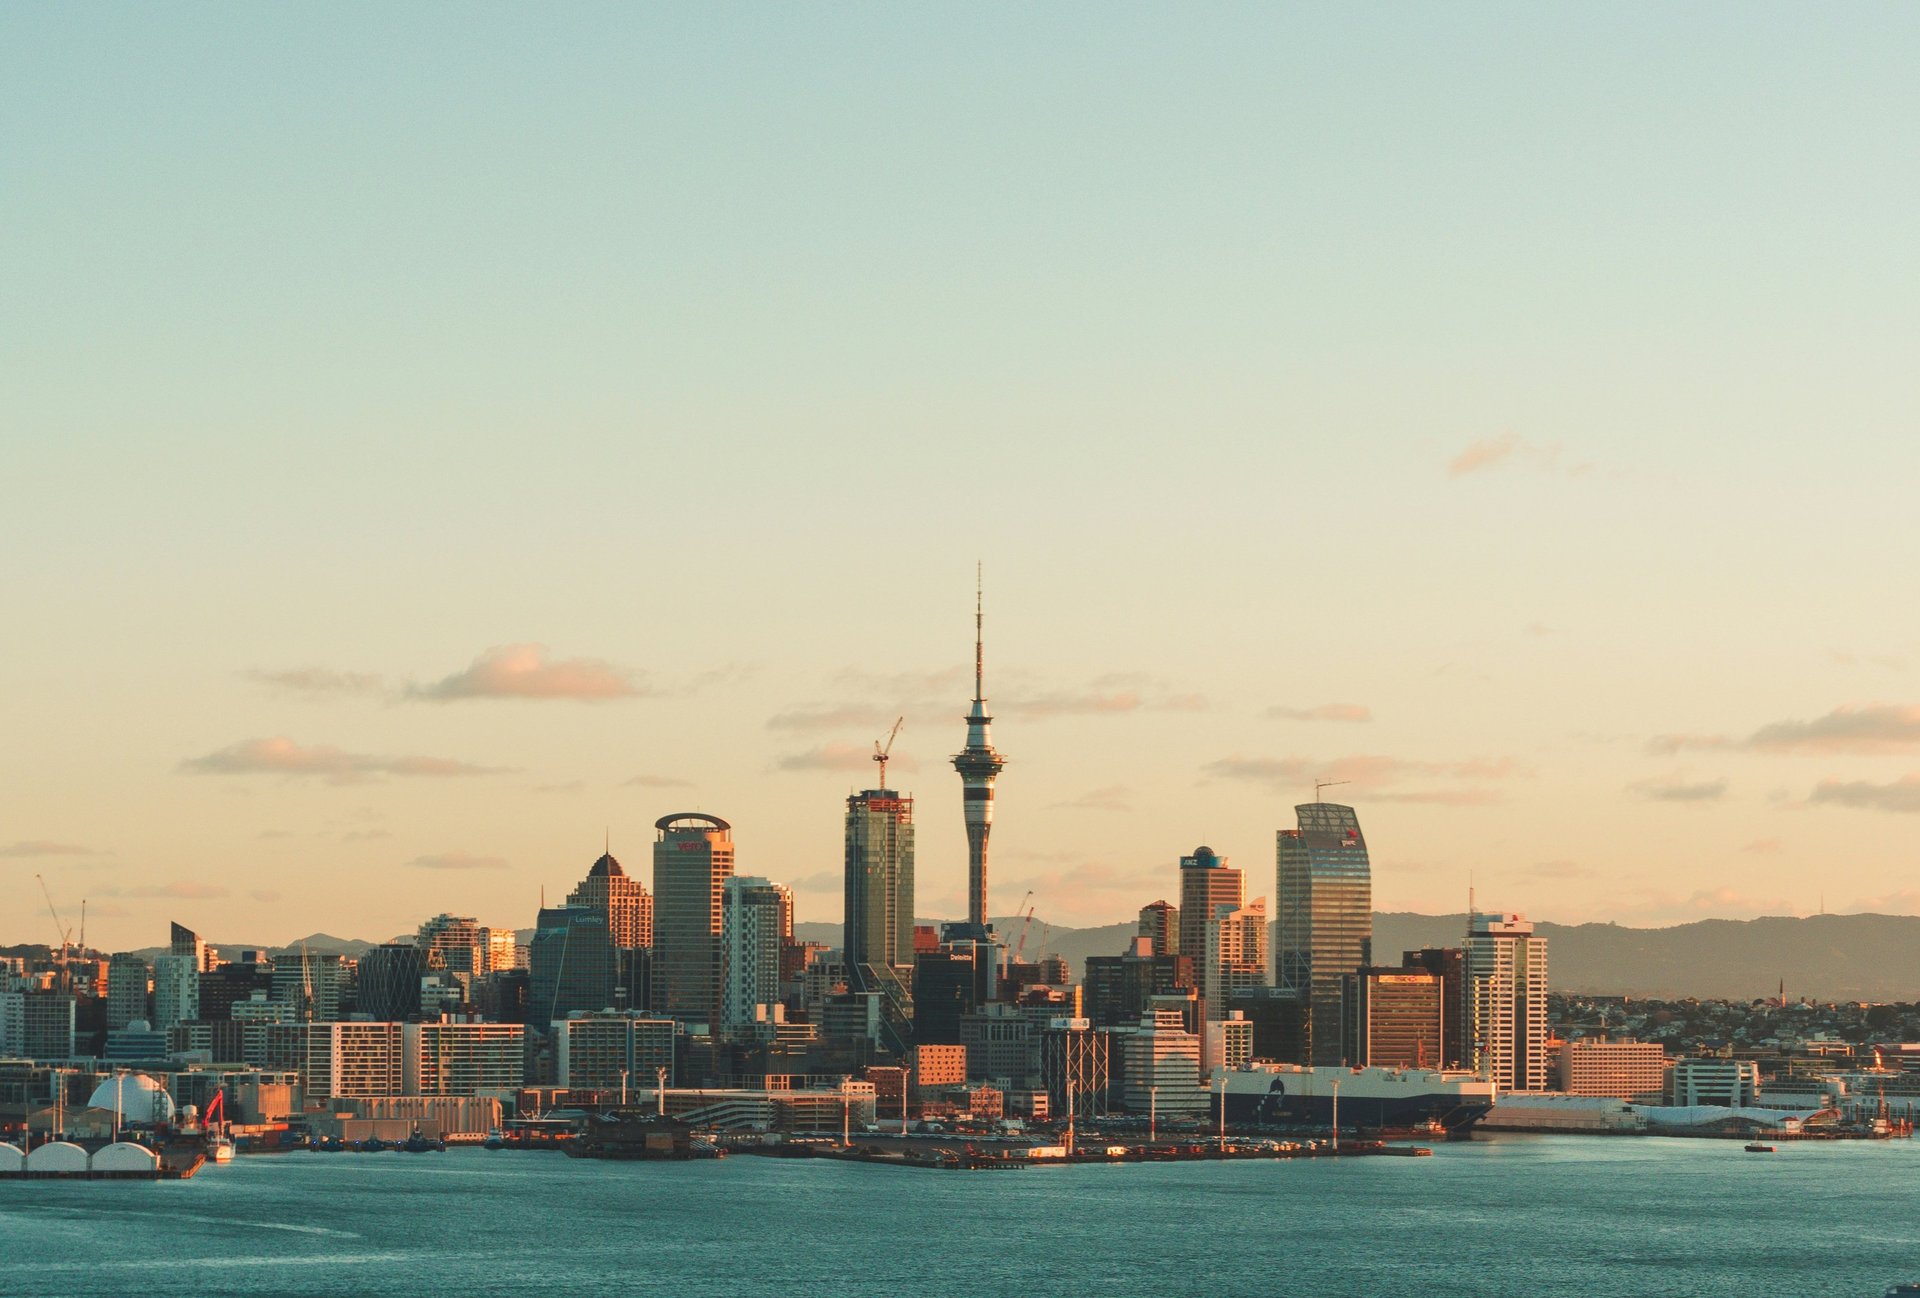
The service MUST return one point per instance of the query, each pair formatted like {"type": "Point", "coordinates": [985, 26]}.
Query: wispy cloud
{"type": "Point", "coordinates": [656, 782]}
{"type": "Point", "coordinates": [1855, 730]}
{"type": "Point", "coordinates": [840, 757]}
{"type": "Point", "coordinates": [1323, 712]}
{"type": "Point", "coordinates": [27, 848]}
{"type": "Point", "coordinates": [832, 716]}
{"type": "Point", "coordinates": [1679, 790]}
{"type": "Point", "coordinates": [566, 786]}
{"type": "Point", "coordinates": [1901, 795]}
{"type": "Point", "coordinates": [1380, 778]}
{"type": "Point", "coordinates": [316, 682]}
{"type": "Point", "coordinates": [457, 861]}
{"type": "Point", "coordinates": [1109, 695]}
{"type": "Point", "coordinates": [1111, 797]}
{"type": "Point", "coordinates": [282, 756]}
{"type": "Point", "coordinates": [1510, 450]}
{"type": "Point", "coordinates": [524, 671]}
{"type": "Point", "coordinates": [181, 890]}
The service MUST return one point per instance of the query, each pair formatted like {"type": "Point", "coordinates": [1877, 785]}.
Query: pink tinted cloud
{"type": "Point", "coordinates": [524, 671]}
{"type": "Point", "coordinates": [280, 755]}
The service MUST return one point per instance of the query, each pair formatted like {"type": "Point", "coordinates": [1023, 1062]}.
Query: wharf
{"type": "Point", "coordinates": [976, 1159]}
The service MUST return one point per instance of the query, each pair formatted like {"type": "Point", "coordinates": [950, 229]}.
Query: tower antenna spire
{"type": "Point", "coordinates": [979, 635]}
{"type": "Point", "coordinates": [978, 763]}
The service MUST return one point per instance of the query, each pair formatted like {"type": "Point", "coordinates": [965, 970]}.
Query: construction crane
{"type": "Point", "coordinates": [1325, 784]}
{"type": "Point", "coordinates": [58, 926]}
{"type": "Point", "coordinates": [882, 752]}
{"type": "Point", "coordinates": [1026, 922]}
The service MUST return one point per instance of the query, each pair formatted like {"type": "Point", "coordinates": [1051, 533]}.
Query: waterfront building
{"type": "Point", "coordinates": [1160, 924]}
{"type": "Point", "coordinates": [756, 924]}
{"type": "Point", "coordinates": [37, 1023]}
{"type": "Point", "coordinates": [1325, 910]}
{"type": "Point", "coordinates": [939, 1065]}
{"type": "Point", "coordinates": [1393, 1018]}
{"type": "Point", "coordinates": [1734, 1083]}
{"type": "Point", "coordinates": [692, 860]}
{"type": "Point", "coordinates": [594, 1051]}
{"type": "Point", "coordinates": [461, 1058]}
{"type": "Point", "coordinates": [1279, 1019]}
{"type": "Point", "coordinates": [575, 966]}
{"type": "Point", "coordinates": [1160, 1065]}
{"type": "Point", "coordinates": [136, 1043]}
{"type": "Point", "coordinates": [878, 932]}
{"type": "Point", "coordinates": [1447, 962]}
{"type": "Point", "coordinates": [979, 765]}
{"type": "Point", "coordinates": [176, 988]}
{"type": "Point", "coordinates": [337, 1060]}
{"type": "Point", "coordinates": [1623, 1070]}
{"type": "Point", "coordinates": [1002, 1045]}
{"type": "Point", "coordinates": [390, 976]}
{"type": "Point", "coordinates": [1235, 955]}
{"type": "Point", "coordinates": [1207, 882]}
{"type": "Point", "coordinates": [129, 986]}
{"type": "Point", "coordinates": [1505, 976]}
{"type": "Point", "coordinates": [628, 904]}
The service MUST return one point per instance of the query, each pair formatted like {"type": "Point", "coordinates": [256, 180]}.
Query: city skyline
{"type": "Point", "coordinates": [416, 485]}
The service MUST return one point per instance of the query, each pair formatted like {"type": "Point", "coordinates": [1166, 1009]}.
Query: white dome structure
{"type": "Point", "coordinates": [142, 1099]}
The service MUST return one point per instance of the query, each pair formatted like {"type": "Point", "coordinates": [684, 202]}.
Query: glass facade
{"type": "Point", "coordinates": [879, 880]}
{"type": "Point", "coordinates": [1324, 887]}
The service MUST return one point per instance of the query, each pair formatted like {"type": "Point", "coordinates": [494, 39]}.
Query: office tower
{"type": "Point", "coordinates": [978, 765]}
{"type": "Point", "coordinates": [575, 966]}
{"type": "Point", "coordinates": [504, 951]}
{"type": "Point", "coordinates": [946, 986]}
{"type": "Point", "coordinates": [176, 989]}
{"type": "Point", "coordinates": [183, 941]}
{"type": "Point", "coordinates": [458, 941]}
{"type": "Point", "coordinates": [1206, 883]}
{"type": "Point", "coordinates": [1160, 922]}
{"type": "Point", "coordinates": [390, 977]}
{"type": "Point", "coordinates": [1394, 1018]}
{"type": "Point", "coordinates": [315, 984]}
{"type": "Point", "coordinates": [692, 861]}
{"type": "Point", "coordinates": [1279, 1019]}
{"type": "Point", "coordinates": [129, 982]}
{"type": "Point", "coordinates": [227, 984]}
{"type": "Point", "coordinates": [1235, 954]}
{"type": "Point", "coordinates": [1119, 988]}
{"type": "Point", "coordinates": [1325, 903]}
{"type": "Point", "coordinates": [756, 923]}
{"type": "Point", "coordinates": [38, 1024]}
{"type": "Point", "coordinates": [628, 904]}
{"type": "Point", "coordinates": [1506, 1001]}
{"type": "Point", "coordinates": [1447, 962]}
{"type": "Point", "coordinates": [879, 884]}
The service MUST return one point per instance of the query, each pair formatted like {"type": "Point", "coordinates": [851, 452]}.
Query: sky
{"type": "Point", "coordinates": [441, 439]}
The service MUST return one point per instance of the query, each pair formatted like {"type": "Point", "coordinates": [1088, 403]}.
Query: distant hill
{"type": "Point", "coordinates": [315, 943]}
{"type": "Point", "coordinates": [1826, 957]}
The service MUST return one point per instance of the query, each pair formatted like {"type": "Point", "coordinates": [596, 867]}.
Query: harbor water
{"type": "Point", "coordinates": [1525, 1216]}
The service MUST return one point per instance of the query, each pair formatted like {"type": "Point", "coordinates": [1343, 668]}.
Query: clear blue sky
{"type": "Point", "coordinates": [1537, 378]}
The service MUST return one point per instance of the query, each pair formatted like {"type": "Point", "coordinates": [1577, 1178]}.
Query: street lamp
{"type": "Point", "coordinates": [1336, 1116]}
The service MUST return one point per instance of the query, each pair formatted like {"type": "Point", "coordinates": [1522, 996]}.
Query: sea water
{"type": "Point", "coordinates": [1591, 1217]}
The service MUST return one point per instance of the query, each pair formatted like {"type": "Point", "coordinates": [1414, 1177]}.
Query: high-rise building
{"type": "Point", "coordinates": [390, 977]}
{"type": "Point", "coordinates": [183, 941]}
{"type": "Point", "coordinates": [979, 765]}
{"type": "Point", "coordinates": [601, 1051]}
{"type": "Point", "coordinates": [575, 966]}
{"type": "Point", "coordinates": [1325, 905]}
{"type": "Point", "coordinates": [1207, 882]}
{"type": "Point", "coordinates": [628, 904]}
{"type": "Point", "coordinates": [458, 940]}
{"type": "Point", "coordinates": [1119, 988]}
{"type": "Point", "coordinates": [879, 883]}
{"type": "Point", "coordinates": [756, 923]}
{"type": "Point", "coordinates": [1447, 962]}
{"type": "Point", "coordinates": [176, 989]}
{"type": "Point", "coordinates": [1160, 922]}
{"type": "Point", "coordinates": [129, 983]}
{"type": "Point", "coordinates": [461, 1058]}
{"type": "Point", "coordinates": [692, 861]}
{"type": "Point", "coordinates": [1394, 1018]}
{"type": "Point", "coordinates": [1505, 980]}
{"type": "Point", "coordinates": [316, 984]}
{"type": "Point", "coordinates": [37, 1024]}
{"type": "Point", "coordinates": [1161, 1064]}
{"type": "Point", "coordinates": [1235, 955]}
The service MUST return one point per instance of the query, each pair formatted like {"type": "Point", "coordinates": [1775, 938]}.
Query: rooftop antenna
{"type": "Point", "coordinates": [1325, 784]}
{"type": "Point", "coordinates": [979, 651]}
{"type": "Point", "coordinates": [882, 753]}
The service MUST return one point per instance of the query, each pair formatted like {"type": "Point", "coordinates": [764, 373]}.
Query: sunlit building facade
{"type": "Point", "coordinates": [1324, 900]}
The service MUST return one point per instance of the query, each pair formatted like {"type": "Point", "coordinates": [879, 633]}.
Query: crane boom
{"type": "Point", "coordinates": [1025, 924]}
{"type": "Point", "coordinates": [882, 753]}
{"type": "Point", "coordinates": [58, 927]}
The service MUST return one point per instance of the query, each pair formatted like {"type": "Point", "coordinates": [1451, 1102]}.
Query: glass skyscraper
{"type": "Point", "coordinates": [879, 881]}
{"type": "Point", "coordinates": [1325, 893]}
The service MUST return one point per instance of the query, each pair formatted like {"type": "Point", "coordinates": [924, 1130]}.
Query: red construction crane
{"type": "Point", "coordinates": [882, 752]}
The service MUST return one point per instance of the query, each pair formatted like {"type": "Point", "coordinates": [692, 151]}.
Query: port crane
{"type": "Point", "coordinates": [882, 753]}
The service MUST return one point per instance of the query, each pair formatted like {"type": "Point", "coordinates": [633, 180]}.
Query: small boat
{"type": "Point", "coordinates": [1757, 1148]}
{"type": "Point", "coordinates": [221, 1150]}
{"type": "Point", "coordinates": [494, 1140]}
{"type": "Point", "coordinates": [1904, 1290]}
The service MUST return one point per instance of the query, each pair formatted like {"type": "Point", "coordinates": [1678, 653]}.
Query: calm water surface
{"type": "Point", "coordinates": [1524, 1216]}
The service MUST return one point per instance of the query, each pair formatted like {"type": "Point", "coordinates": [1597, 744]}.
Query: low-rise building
{"type": "Point", "coordinates": [1624, 1070]}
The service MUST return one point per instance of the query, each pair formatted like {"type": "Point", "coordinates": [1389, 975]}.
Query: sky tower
{"type": "Point", "coordinates": [978, 764]}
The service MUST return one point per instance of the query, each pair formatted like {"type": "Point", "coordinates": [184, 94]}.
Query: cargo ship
{"type": "Point", "coordinates": [1379, 1099]}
